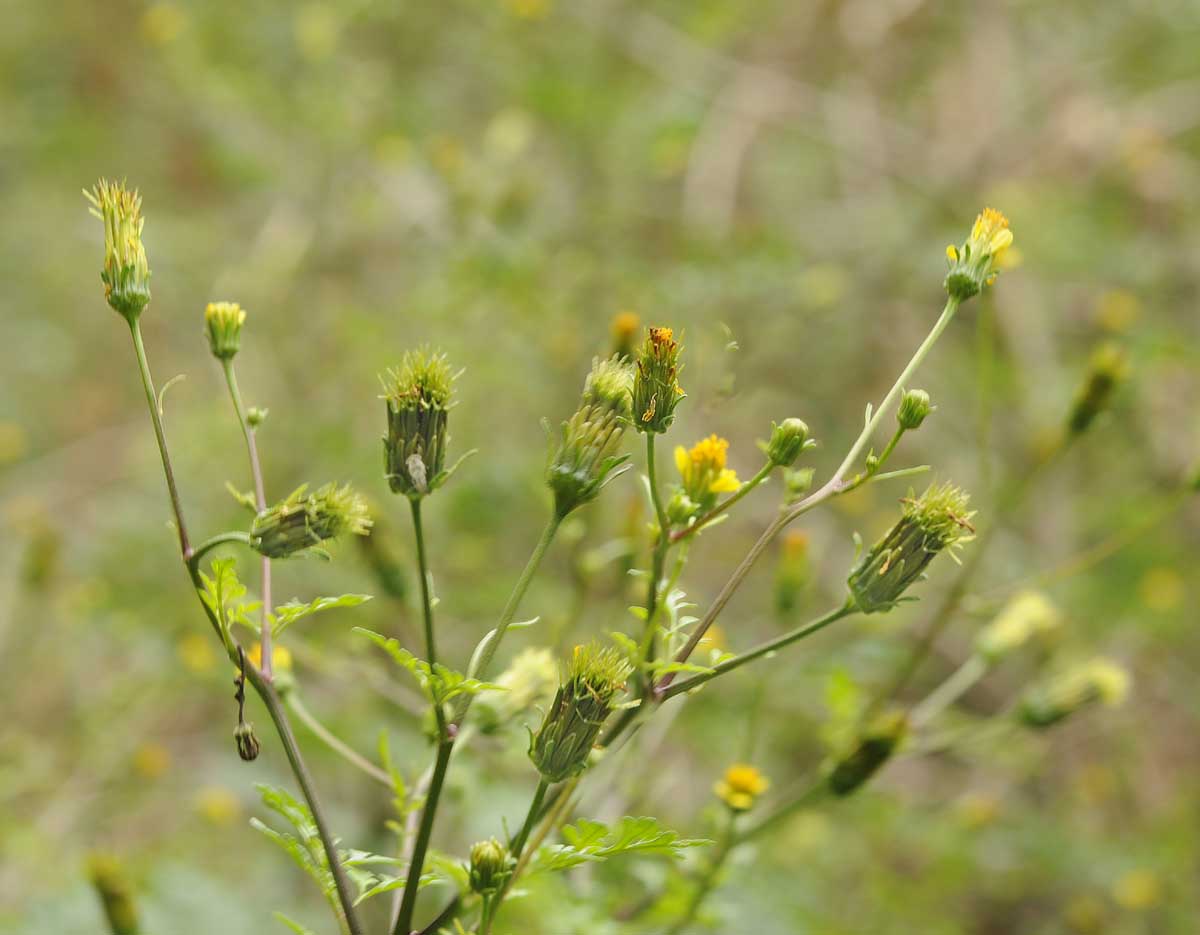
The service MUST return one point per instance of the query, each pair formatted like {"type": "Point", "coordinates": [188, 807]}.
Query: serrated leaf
{"type": "Point", "coordinates": [289, 613]}
{"type": "Point", "coordinates": [222, 594]}
{"type": "Point", "coordinates": [305, 846]}
{"type": "Point", "coordinates": [439, 683]}
{"type": "Point", "coordinates": [243, 499]}
{"type": "Point", "coordinates": [592, 841]}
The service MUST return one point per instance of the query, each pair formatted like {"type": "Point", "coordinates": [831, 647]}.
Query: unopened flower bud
{"type": "Point", "coordinates": [223, 326]}
{"type": "Point", "coordinates": [418, 395]}
{"type": "Point", "coordinates": [656, 389]}
{"type": "Point", "coordinates": [1098, 680]}
{"type": "Point", "coordinates": [126, 273]}
{"type": "Point", "coordinates": [1026, 615]}
{"type": "Point", "coordinates": [256, 416]}
{"type": "Point", "coordinates": [247, 743]}
{"type": "Point", "coordinates": [595, 677]}
{"type": "Point", "coordinates": [586, 457]}
{"type": "Point", "coordinates": [935, 521]}
{"type": "Point", "coordinates": [1106, 370]}
{"type": "Point", "coordinates": [305, 520]}
{"type": "Point", "coordinates": [115, 892]}
{"type": "Point", "coordinates": [872, 749]}
{"type": "Point", "coordinates": [974, 264]}
{"type": "Point", "coordinates": [788, 439]}
{"type": "Point", "coordinates": [491, 867]}
{"type": "Point", "coordinates": [914, 407]}
{"type": "Point", "coordinates": [741, 786]}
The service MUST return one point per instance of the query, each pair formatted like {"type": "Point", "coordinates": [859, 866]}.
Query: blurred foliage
{"type": "Point", "coordinates": [501, 177]}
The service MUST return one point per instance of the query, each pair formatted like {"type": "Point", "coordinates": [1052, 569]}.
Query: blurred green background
{"type": "Point", "coordinates": [501, 177]}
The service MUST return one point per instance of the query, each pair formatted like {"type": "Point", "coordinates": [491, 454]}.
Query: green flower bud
{"type": "Point", "coordinates": [418, 395]}
{"type": "Point", "coordinates": [126, 273]}
{"type": "Point", "coordinates": [914, 407]}
{"type": "Point", "coordinates": [256, 416]}
{"type": "Point", "coordinates": [247, 743]}
{"type": "Point", "coordinates": [586, 458]}
{"type": "Point", "coordinates": [1026, 615]}
{"type": "Point", "coordinates": [935, 521]}
{"type": "Point", "coordinates": [115, 892]}
{"type": "Point", "coordinates": [656, 389]}
{"type": "Point", "coordinates": [223, 325]}
{"type": "Point", "coordinates": [788, 439]}
{"type": "Point", "coordinates": [1098, 680]}
{"type": "Point", "coordinates": [1106, 370]}
{"type": "Point", "coordinates": [974, 264]}
{"type": "Point", "coordinates": [561, 747]}
{"type": "Point", "coordinates": [873, 748]}
{"type": "Point", "coordinates": [305, 520]}
{"type": "Point", "coordinates": [491, 866]}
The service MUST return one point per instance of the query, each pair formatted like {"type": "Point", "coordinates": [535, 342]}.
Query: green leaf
{"type": "Point", "coordinates": [439, 683]}
{"type": "Point", "coordinates": [292, 611]}
{"type": "Point", "coordinates": [305, 846]}
{"type": "Point", "coordinates": [222, 594]}
{"type": "Point", "coordinates": [243, 499]}
{"type": "Point", "coordinates": [592, 841]}
{"type": "Point", "coordinates": [293, 925]}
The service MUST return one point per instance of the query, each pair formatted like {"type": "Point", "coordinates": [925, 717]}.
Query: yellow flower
{"type": "Point", "coordinates": [126, 273]}
{"type": "Point", "coordinates": [281, 657]}
{"type": "Point", "coordinates": [703, 470]}
{"type": "Point", "coordinates": [1138, 889]}
{"type": "Point", "coordinates": [974, 264]}
{"type": "Point", "coordinates": [218, 805]}
{"type": "Point", "coordinates": [1026, 615]}
{"type": "Point", "coordinates": [625, 327]}
{"type": "Point", "coordinates": [162, 23]}
{"type": "Point", "coordinates": [196, 653]}
{"type": "Point", "coordinates": [741, 786]}
{"type": "Point", "coordinates": [151, 760]}
{"type": "Point", "coordinates": [990, 234]}
{"type": "Point", "coordinates": [714, 640]}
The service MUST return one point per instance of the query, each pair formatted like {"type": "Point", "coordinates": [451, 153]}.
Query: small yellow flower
{"type": "Point", "coordinates": [625, 326]}
{"type": "Point", "coordinates": [281, 657]}
{"type": "Point", "coordinates": [990, 234]}
{"type": "Point", "coordinates": [974, 264]}
{"type": "Point", "coordinates": [741, 786]}
{"type": "Point", "coordinates": [195, 651]}
{"type": "Point", "coordinates": [977, 810]}
{"type": "Point", "coordinates": [1162, 589]}
{"type": "Point", "coordinates": [1138, 889]}
{"type": "Point", "coordinates": [126, 273]}
{"type": "Point", "coordinates": [218, 805]}
{"type": "Point", "coordinates": [714, 640]}
{"type": "Point", "coordinates": [1026, 615]}
{"type": "Point", "coordinates": [703, 470]}
{"type": "Point", "coordinates": [151, 760]}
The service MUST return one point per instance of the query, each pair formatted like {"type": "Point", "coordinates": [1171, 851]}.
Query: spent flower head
{"type": "Point", "coordinates": [1098, 680]}
{"type": "Point", "coordinates": [418, 394]}
{"type": "Point", "coordinates": [586, 457]}
{"type": "Point", "coordinates": [741, 786]}
{"type": "Point", "coordinates": [974, 265]}
{"type": "Point", "coordinates": [1026, 615]}
{"type": "Point", "coordinates": [247, 742]}
{"type": "Point", "coordinates": [223, 326]}
{"type": "Point", "coordinates": [126, 273]}
{"type": "Point", "coordinates": [937, 521]}
{"type": "Point", "coordinates": [1107, 369]}
{"type": "Point", "coordinates": [656, 389]}
{"type": "Point", "coordinates": [874, 747]}
{"type": "Point", "coordinates": [305, 520]}
{"type": "Point", "coordinates": [585, 699]}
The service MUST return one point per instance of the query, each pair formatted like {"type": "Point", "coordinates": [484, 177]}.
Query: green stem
{"type": "Point", "coordinates": [412, 884]}
{"type": "Point", "coordinates": [510, 611]}
{"type": "Point", "coordinates": [219, 539]}
{"type": "Point", "coordinates": [426, 590]}
{"type": "Point", "coordinates": [531, 817]}
{"type": "Point", "coordinates": [657, 561]}
{"type": "Point", "coordinates": [331, 740]}
{"type": "Point", "coordinates": [757, 652]}
{"type": "Point", "coordinates": [260, 501]}
{"type": "Point", "coordinates": [763, 473]}
{"type": "Point", "coordinates": [139, 348]}
{"type": "Point", "coordinates": [942, 697]}
{"type": "Point", "coordinates": [704, 885]}
{"type": "Point", "coordinates": [795, 803]}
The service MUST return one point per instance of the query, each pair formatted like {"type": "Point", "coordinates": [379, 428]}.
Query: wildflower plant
{"type": "Point", "coordinates": [618, 681]}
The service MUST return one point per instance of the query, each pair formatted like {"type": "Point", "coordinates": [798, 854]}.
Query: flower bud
{"type": "Point", "coordinates": [561, 747]}
{"type": "Point", "coordinates": [1098, 680]}
{"type": "Point", "coordinates": [115, 892]}
{"type": "Point", "coordinates": [418, 394]}
{"type": "Point", "coordinates": [247, 743]}
{"type": "Point", "coordinates": [741, 786]}
{"type": "Point", "coordinates": [256, 416]}
{"type": "Point", "coordinates": [491, 867]}
{"type": "Point", "coordinates": [1107, 368]}
{"type": "Point", "coordinates": [935, 521]}
{"type": "Point", "coordinates": [974, 264]}
{"type": "Point", "coordinates": [126, 273]}
{"type": "Point", "coordinates": [656, 389]}
{"type": "Point", "coordinates": [703, 476]}
{"type": "Point", "coordinates": [305, 520]}
{"type": "Point", "coordinates": [1027, 614]}
{"type": "Point", "coordinates": [223, 325]}
{"type": "Point", "coordinates": [625, 327]}
{"type": "Point", "coordinates": [586, 458]}
{"type": "Point", "coordinates": [914, 407]}
{"type": "Point", "coordinates": [788, 439]}
{"type": "Point", "coordinates": [874, 747]}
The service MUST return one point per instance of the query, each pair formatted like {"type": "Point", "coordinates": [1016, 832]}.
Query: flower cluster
{"type": "Point", "coordinates": [126, 273]}
{"type": "Point", "coordinates": [304, 520]}
{"type": "Point", "coordinates": [656, 389]}
{"type": "Point", "coordinates": [934, 522]}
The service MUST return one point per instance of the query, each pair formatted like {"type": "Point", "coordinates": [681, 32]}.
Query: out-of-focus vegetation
{"type": "Point", "coordinates": [501, 178]}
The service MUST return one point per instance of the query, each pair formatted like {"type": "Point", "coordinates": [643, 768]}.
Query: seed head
{"type": "Point", "coordinates": [223, 325]}
{"type": "Point", "coordinates": [974, 265]}
{"type": "Point", "coordinates": [656, 389]}
{"type": "Point", "coordinates": [418, 395]}
{"type": "Point", "coordinates": [305, 520]}
{"type": "Point", "coordinates": [126, 273]}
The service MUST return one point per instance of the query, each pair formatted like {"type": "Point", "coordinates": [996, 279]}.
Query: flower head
{"type": "Point", "coordinates": [974, 264]}
{"type": "Point", "coordinates": [585, 699]}
{"type": "Point", "coordinates": [1026, 615]}
{"type": "Point", "coordinates": [703, 476]}
{"type": "Point", "coordinates": [656, 389]}
{"type": "Point", "coordinates": [741, 786]}
{"type": "Point", "coordinates": [625, 327]}
{"type": "Point", "coordinates": [418, 395]}
{"type": "Point", "coordinates": [936, 521]}
{"type": "Point", "coordinates": [585, 459]}
{"type": "Point", "coordinates": [126, 273]}
{"type": "Point", "coordinates": [305, 520]}
{"type": "Point", "coordinates": [247, 742]}
{"type": "Point", "coordinates": [913, 410]}
{"type": "Point", "coordinates": [223, 326]}
{"type": "Point", "coordinates": [1097, 680]}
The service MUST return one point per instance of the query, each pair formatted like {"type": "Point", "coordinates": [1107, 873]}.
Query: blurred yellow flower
{"type": "Point", "coordinates": [1026, 615]}
{"type": "Point", "coordinates": [151, 760]}
{"type": "Point", "coordinates": [281, 657]}
{"type": "Point", "coordinates": [1138, 889]}
{"type": "Point", "coordinates": [195, 651]}
{"type": "Point", "coordinates": [218, 805]}
{"type": "Point", "coordinates": [1085, 915]}
{"type": "Point", "coordinates": [713, 640]}
{"type": "Point", "coordinates": [316, 29]}
{"type": "Point", "coordinates": [977, 810]}
{"type": "Point", "coordinates": [741, 786]}
{"type": "Point", "coordinates": [1162, 589]}
{"type": "Point", "coordinates": [1117, 310]}
{"type": "Point", "coordinates": [162, 23]}
{"type": "Point", "coordinates": [13, 442]}
{"type": "Point", "coordinates": [703, 469]}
